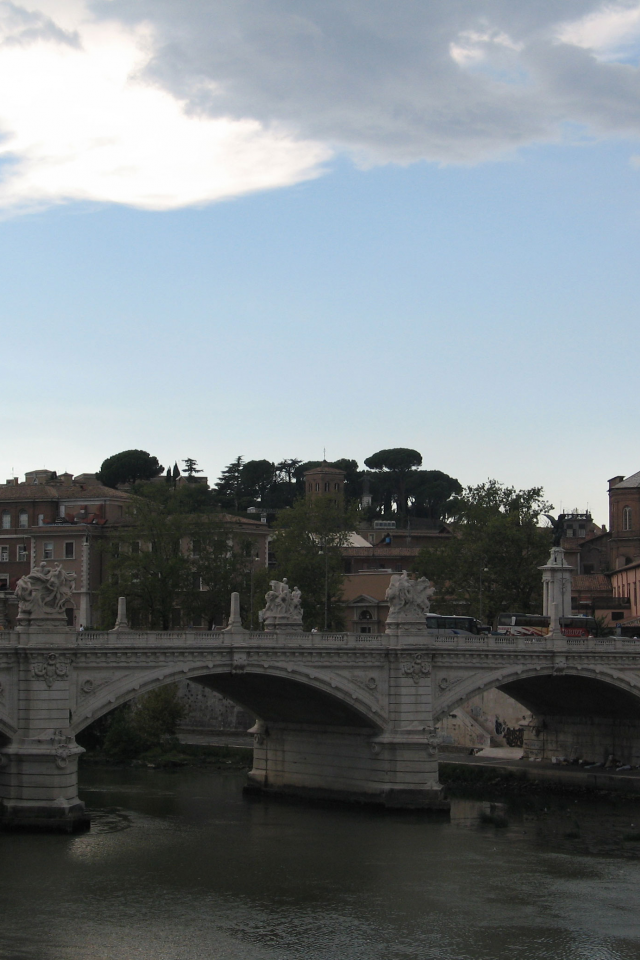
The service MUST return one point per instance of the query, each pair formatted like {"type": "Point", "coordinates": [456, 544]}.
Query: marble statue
{"type": "Point", "coordinates": [408, 599]}
{"type": "Point", "coordinates": [44, 592]}
{"type": "Point", "coordinates": [283, 606]}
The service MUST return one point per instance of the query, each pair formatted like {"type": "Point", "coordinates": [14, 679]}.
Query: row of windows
{"type": "Point", "coordinates": [22, 553]}
{"type": "Point", "coordinates": [23, 519]}
{"type": "Point", "coordinates": [327, 486]}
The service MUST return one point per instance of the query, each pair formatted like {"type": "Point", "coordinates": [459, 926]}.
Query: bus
{"type": "Point", "coordinates": [454, 625]}
{"type": "Point", "coordinates": [532, 625]}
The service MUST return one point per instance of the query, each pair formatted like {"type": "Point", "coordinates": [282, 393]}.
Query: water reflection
{"type": "Point", "coordinates": [178, 866]}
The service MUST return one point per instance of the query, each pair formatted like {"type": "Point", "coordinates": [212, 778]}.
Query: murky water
{"type": "Point", "coordinates": [178, 866]}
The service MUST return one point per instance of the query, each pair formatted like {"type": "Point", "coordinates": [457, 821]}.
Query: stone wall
{"type": "Point", "coordinates": [208, 711]}
{"type": "Point", "coordinates": [489, 719]}
{"type": "Point", "coordinates": [584, 738]}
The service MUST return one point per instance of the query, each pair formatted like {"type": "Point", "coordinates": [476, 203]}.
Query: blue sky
{"type": "Point", "coordinates": [463, 280]}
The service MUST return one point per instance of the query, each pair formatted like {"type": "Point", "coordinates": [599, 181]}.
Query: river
{"type": "Point", "coordinates": [179, 866]}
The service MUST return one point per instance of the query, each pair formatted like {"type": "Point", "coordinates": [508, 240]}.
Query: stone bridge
{"type": "Point", "coordinates": [348, 716]}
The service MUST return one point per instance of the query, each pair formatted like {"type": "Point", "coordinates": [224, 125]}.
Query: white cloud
{"type": "Point", "coordinates": [160, 103]}
{"type": "Point", "coordinates": [472, 47]}
{"type": "Point", "coordinates": [79, 122]}
{"type": "Point", "coordinates": [612, 32]}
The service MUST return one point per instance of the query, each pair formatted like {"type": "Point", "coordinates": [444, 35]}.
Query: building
{"type": "Point", "coordinates": [325, 481]}
{"type": "Point", "coordinates": [56, 519]}
{"type": "Point", "coordinates": [624, 521]}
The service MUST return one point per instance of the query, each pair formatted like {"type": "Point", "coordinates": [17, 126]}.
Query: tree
{"type": "Point", "coordinates": [308, 551]}
{"type": "Point", "coordinates": [430, 493]}
{"type": "Point", "coordinates": [222, 558]}
{"type": "Point", "coordinates": [191, 467]}
{"type": "Point", "coordinates": [229, 487]}
{"type": "Point", "coordinates": [491, 564]}
{"type": "Point", "coordinates": [398, 462]}
{"type": "Point", "coordinates": [148, 564]}
{"type": "Point", "coordinates": [256, 477]}
{"type": "Point", "coordinates": [130, 466]}
{"type": "Point", "coordinates": [176, 553]}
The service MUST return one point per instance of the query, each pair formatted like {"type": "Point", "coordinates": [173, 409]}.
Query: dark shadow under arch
{"type": "Point", "coordinates": [282, 700]}
{"type": "Point", "coordinates": [572, 696]}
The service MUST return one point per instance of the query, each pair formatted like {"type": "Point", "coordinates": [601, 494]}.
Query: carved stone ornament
{"type": "Point", "coordinates": [417, 669]}
{"type": "Point", "coordinates": [89, 686]}
{"type": "Point", "coordinates": [51, 668]}
{"type": "Point", "coordinates": [433, 741]}
{"type": "Point", "coordinates": [372, 683]}
{"type": "Point", "coordinates": [408, 599]}
{"type": "Point", "coordinates": [44, 593]}
{"type": "Point", "coordinates": [283, 607]}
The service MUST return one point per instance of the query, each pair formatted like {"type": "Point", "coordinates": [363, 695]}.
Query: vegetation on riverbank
{"type": "Point", "coordinates": [143, 733]}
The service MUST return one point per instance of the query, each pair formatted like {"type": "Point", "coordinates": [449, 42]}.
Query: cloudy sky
{"type": "Point", "coordinates": [270, 227]}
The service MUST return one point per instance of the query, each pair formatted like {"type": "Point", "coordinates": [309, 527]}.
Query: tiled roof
{"type": "Point", "coordinates": [632, 481]}
{"type": "Point", "coordinates": [592, 582]}
{"type": "Point", "coordinates": [386, 552]}
{"type": "Point", "coordinates": [67, 491]}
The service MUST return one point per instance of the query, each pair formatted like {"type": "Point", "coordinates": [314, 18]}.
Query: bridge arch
{"type": "Point", "coordinates": [562, 691]}
{"type": "Point", "coordinates": [274, 694]}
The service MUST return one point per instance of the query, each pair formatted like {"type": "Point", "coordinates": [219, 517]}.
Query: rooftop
{"type": "Point", "coordinates": [632, 481]}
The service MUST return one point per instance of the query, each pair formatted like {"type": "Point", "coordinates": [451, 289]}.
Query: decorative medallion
{"type": "Point", "coordinates": [372, 683]}
{"type": "Point", "coordinates": [53, 667]}
{"type": "Point", "coordinates": [418, 669]}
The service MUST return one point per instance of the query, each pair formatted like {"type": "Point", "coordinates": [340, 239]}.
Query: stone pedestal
{"type": "Point", "coordinates": [38, 785]}
{"type": "Point", "coordinates": [556, 589]}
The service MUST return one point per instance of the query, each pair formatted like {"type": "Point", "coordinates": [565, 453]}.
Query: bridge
{"type": "Point", "coordinates": [343, 716]}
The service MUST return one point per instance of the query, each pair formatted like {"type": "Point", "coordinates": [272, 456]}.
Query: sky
{"type": "Point", "coordinates": [274, 229]}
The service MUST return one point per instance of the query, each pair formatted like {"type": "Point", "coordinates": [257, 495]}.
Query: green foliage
{"type": "Point", "coordinates": [308, 552]}
{"type": "Point", "coordinates": [130, 466]}
{"type": "Point", "coordinates": [257, 476]}
{"type": "Point", "coordinates": [134, 729]}
{"type": "Point", "coordinates": [228, 489]}
{"type": "Point", "coordinates": [396, 463]}
{"type": "Point", "coordinates": [491, 565]}
{"type": "Point", "coordinates": [191, 467]}
{"type": "Point", "coordinates": [431, 493]}
{"type": "Point", "coordinates": [175, 554]}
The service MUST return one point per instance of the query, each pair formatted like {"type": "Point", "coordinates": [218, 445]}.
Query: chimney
{"type": "Point", "coordinates": [614, 482]}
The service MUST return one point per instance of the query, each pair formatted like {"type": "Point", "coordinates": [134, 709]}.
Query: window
{"type": "Point", "coordinates": [365, 629]}
{"type": "Point", "coordinates": [568, 532]}
{"type": "Point", "coordinates": [582, 532]}
{"type": "Point", "coordinates": [617, 615]}
{"type": "Point", "coordinates": [4, 583]}
{"type": "Point", "coordinates": [327, 486]}
{"type": "Point", "coordinates": [6, 520]}
{"type": "Point", "coordinates": [626, 518]}
{"type": "Point", "coordinates": [47, 550]}
{"type": "Point", "coordinates": [366, 615]}
{"type": "Point", "coordinates": [40, 520]}
{"type": "Point", "coordinates": [4, 554]}
{"type": "Point", "coordinates": [69, 550]}
{"type": "Point", "coordinates": [317, 488]}
{"type": "Point", "coordinates": [21, 553]}
{"type": "Point", "coordinates": [135, 546]}
{"type": "Point", "coordinates": [336, 486]}
{"type": "Point", "coordinates": [23, 519]}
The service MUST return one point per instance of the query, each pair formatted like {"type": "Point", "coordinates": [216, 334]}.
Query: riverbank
{"type": "Point", "coordinates": [521, 777]}
{"type": "Point", "coordinates": [215, 756]}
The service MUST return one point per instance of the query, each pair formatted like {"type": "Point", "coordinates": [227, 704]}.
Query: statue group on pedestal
{"type": "Point", "coordinates": [44, 592]}
{"type": "Point", "coordinates": [282, 603]}
{"type": "Point", "coordinates": [408, 599]}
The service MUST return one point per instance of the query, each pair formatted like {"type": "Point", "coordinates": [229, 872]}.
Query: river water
{"type": "Point", "coordinates": [179, 866]}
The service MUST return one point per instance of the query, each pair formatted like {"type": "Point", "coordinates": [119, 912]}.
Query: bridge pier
{"type": "Point", "coordinates": [330, 763]}
{"type": "Point", "coordinates": [39, 784]}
